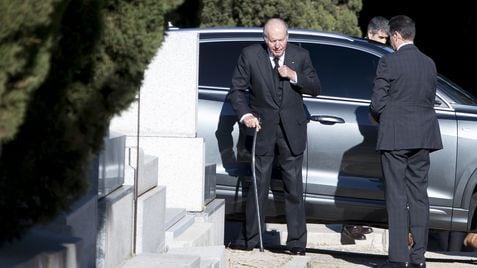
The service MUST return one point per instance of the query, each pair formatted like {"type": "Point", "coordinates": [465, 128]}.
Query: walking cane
{"type": "Point", "coordinates": [255, 189]}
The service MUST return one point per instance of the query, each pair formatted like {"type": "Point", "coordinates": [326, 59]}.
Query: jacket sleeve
{"type": "Point", "coordinates": [380, 95]}
{"type": "Point", "coordinates": [308, 81]}
{"type": "Point", "coordinates": [240, 85]}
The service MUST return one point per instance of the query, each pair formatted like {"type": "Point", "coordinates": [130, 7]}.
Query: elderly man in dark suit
{"type": "Point", "coordinates": [275, 74]}
{"type": "Point", "coordinates": [403, 104]}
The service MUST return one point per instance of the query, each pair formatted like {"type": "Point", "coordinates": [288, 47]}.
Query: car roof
{"type": "Point", "coordinates": [258, 31]}
{"type": "Point", "coordinates": [296, 35]}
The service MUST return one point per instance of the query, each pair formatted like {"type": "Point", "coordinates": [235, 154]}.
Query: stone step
{"type": "Point", "coordinates": [178, 228]}
{"type": "Point", "coordinates": [188, 229]}
{"type": "Point", "coordinates": [210, 256]}
{"type": "Point", "coordinates": [256, 258]}
{"type": "Point", "coordinates": [174, 215]}
{"type": "Point", "coordinates": [149, 260]}
{"type": "Point", "coordinates": [198, 234]}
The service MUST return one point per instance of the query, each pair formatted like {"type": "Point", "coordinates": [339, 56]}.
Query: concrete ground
{"type": "Point", "coordinates": [325, 249]}
{"type": "Point", "coordinates": [316, 258]}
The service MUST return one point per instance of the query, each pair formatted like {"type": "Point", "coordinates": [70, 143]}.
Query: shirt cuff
{"type": "Point", "coordinates": [294, 82]}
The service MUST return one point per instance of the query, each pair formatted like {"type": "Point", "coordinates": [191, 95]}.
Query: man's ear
{"type": "Point", "coordinates": [398, 36]}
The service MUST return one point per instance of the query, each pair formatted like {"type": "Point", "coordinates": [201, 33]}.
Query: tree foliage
{"type": "Point", "coordinates": [66, 68]}
{"type": "Point", "coordinates": [328, 15]}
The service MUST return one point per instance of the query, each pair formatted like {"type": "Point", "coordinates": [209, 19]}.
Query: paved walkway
{"type": "Point", "coordinates": [326, 258]}
{"type": "Point", "coordinates": [325, 249]}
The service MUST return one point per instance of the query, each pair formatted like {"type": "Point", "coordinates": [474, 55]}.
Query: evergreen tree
{"type": "Point", "coordinates": [66, 68]}
{"type": "Point", "coordinates": [27, 33]}
{"type": "Point", "coordinates": [328, 15]}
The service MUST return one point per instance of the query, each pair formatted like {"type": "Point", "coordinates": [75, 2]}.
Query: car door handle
{"type": "Point", "coordinates": [327, 119]}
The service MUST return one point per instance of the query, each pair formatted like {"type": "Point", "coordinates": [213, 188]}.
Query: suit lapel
{"type": "Point", "coordinates": [290, 61]}
{"type": "Point", "coordinates": [265, 67]}
{"type": "Point", "coordinates": [290, 58]}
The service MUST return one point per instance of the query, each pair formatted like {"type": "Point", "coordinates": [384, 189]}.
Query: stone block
{"type": "Point", "coordinates": [111, 163]}
{"type": "Point", "coordinates": [151, 210]}
{"type": "Point", "coordinates": [42, 248]}
{"type": "Point", "coordinates": [115, 228]}
{"type": "Point", "coordinates": [81, 222]}
{"type": "Point", "coordinates": [214, 213]}
{"type": "Point", "coordinates": [148, 169]}
{"type": "Point", "coordinates": [181, 169]}
{"type": "Point", "coordinates": [169, 100]}
{"type": "Point", "coordinates": [210, 183]}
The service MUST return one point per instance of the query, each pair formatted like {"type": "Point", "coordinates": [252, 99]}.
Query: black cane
{"type": "Point", "coordinates": [255, 189]}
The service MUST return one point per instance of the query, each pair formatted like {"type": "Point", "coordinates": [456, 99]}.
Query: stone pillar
{"type": "Point", "coordinates": [168, 120]}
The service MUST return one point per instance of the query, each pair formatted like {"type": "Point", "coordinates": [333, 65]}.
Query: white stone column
{"type": "Point", "coordinates": [168, 120]}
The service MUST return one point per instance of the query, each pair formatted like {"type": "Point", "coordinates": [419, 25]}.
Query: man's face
{"type": "Point", "coordinates": [381, 36]}
{"type": "Point", "coordinates": [276, 39]}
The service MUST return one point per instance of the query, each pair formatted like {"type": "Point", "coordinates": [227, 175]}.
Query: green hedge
{"type": "Point", "coordinates": [328, 15]}
{"type": "Point", "coordinates": [66, 68]}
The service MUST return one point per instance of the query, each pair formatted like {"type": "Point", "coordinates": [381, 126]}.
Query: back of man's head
{"type": "Point", "coordinates": [403, 25]}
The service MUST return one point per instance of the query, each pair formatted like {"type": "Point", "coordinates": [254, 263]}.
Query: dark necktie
{"type": "Point", "coordinates": [276, 75]}
{"type": "Point", "coordinates": [276, 60]}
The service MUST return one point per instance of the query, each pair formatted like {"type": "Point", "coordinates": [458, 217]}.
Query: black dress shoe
{"type": "Point", "coordinates": [297, 251]}
{"type": "Point", "coordinates": [239, 246]}
{"type": "Point", "coordinates": [417, 265]}
{"type": "Point", "coordinates": [353, 232]}
{"type": "Point", "coordinates": [392, 264]}
{"type": "Point", "coordinates": [364, 229]}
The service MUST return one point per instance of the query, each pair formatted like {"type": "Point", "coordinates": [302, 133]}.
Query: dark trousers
{"type": "Point", "coordinates": [405, 174]}
{"type": "Point", "coordinates": [291, 171]}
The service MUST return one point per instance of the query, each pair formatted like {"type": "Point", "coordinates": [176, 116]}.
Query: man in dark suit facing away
{"type": "Point", "coordinates": [403, 104]}
{"type": "Point", "coordinates": [275, 74]}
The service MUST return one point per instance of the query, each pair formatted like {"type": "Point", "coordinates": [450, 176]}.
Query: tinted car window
{"type": "Point", "coordinates": [217, 61]}
{"type": "Point", "coordinates": [456, 93]}
{"type": "Point", "coordinates": [344, 72]}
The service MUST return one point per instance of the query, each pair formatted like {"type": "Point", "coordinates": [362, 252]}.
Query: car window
{"type": "Point", "coordinates": [344, 72]}
{"type": "Point", "coordinates": [217, 61]}
{"type": "Point", "coordinates": [457, 94]}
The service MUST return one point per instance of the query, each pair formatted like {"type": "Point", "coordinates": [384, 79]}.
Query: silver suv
{"type": "Point", "coordinates": [341, 169]}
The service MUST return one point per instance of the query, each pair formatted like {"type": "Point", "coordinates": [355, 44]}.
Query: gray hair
{"type": "Point", "coordinates": [377, 24]}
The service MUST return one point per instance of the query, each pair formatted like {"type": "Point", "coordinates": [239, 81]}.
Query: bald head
{"type": "Point", "coordinates": [275, 34]}
{"type": "Point", "coordinates": [274, 25]}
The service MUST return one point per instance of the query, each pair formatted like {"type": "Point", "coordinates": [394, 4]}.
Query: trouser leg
{"type": "Point", "coordinates": [291, 170]}
{"type": "Point", "coordinates": [394, 169]}
{"type": "Point", "coordinates": [418, 202]}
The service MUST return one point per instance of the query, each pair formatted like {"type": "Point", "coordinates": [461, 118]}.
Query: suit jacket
{"type": "Point", "coordinates": [254, 74]}
{"type": "Point", "coordinates": [403, 101]}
